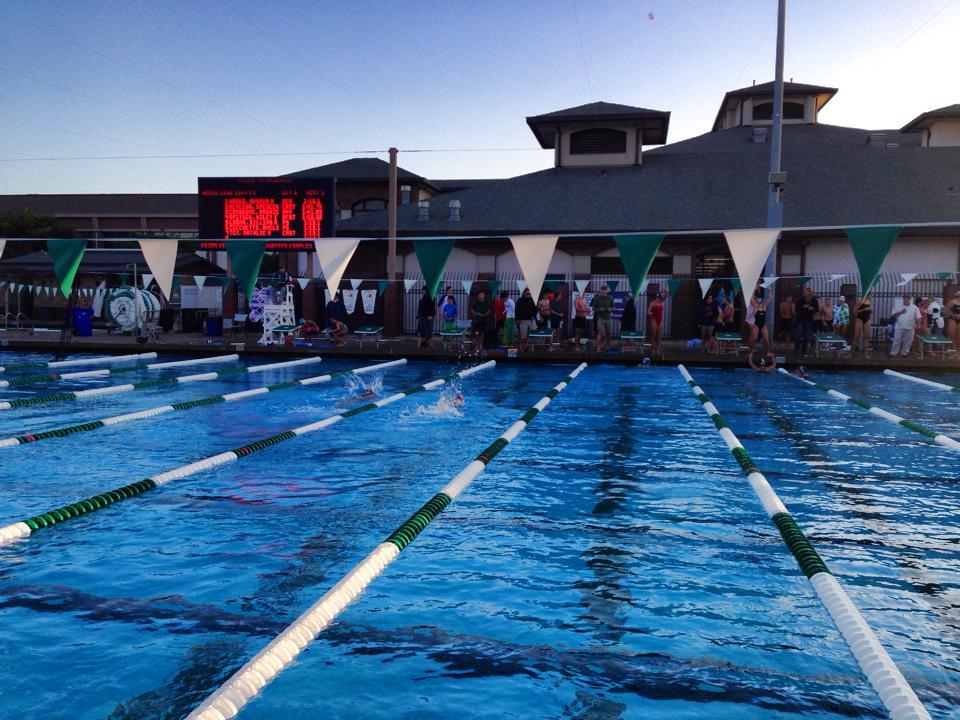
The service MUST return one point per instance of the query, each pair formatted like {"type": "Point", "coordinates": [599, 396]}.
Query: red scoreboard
{"type": "Point", "coordinates": [270, 207]}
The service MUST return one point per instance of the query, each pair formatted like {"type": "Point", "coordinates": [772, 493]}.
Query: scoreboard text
{"type": "Point", "coordinates": [272, 207]}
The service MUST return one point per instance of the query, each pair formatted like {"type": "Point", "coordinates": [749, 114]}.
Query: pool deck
{"type": "Point", "coordinates": [674, 351]}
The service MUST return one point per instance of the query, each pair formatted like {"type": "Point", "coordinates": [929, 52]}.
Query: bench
{"type": "Point", "coordinates": [937, 343]}
{"type": "Point", "coordinates": [448, 338]}
{"type": "Point", "coordinates": [831, 340]}
{"type": "Point", "coordinates": [724, 341]}
{"type": "Point", "coordinates": [540, 337]}
{"type": "Point", "coordinates": [633, 340]}
{"type": "Point", "coordinates": [281, 331]}
{"type": "Point", "coordinates": [369, 332]}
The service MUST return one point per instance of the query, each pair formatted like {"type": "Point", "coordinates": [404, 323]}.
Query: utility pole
{"type": "Point", "coordinates": [392, 218]}
{"type": "Point", "coordinates": [777, 178]}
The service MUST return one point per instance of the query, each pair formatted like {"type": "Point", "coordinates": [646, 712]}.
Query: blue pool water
{"type": "Point", "coordinates": [610, 563]}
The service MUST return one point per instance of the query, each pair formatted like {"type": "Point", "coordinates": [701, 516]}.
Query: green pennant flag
{"type": "Point", "coordinates": [945, 275]}
{"type": "Point", "coordinates": [735, 282]}
{"type": "Point", "coordinates": [494, 287]}
{"type": "Point", "coordinates": [246, 257]}
{"type": "Point", "coordinates": [66, 255]}
{"type": "Point", "coordinates": [870, 246]}
{"type": "Point", "coordinates": [613, 284]}
{"type": "Point", "coordinates": [432, 256]}
{"type": "Point", "coordinates": [123, 278]}
{"type": "Point", "coordinates": [382, 286]}
{"type": "Point", "coordinates": [637, 251]}
{"type": "Point", "coordinates": [673, 284]}
{"type": "Point", "coordinates": [803, 280]}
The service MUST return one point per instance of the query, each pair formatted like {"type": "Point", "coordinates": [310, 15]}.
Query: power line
{"type": "Point", "coordinates": [756, 47]}
{"type": "Point", "coordinates": [922, 25]}
{"type": "Point", "coordinates": [583, 55]}
{"type": "Point", "coordinates": [255, 155]}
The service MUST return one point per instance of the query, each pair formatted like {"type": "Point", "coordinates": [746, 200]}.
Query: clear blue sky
{"type": "Point", "coordinates": [176, 77]}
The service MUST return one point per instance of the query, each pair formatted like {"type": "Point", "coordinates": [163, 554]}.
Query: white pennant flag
{"type": "Point", "coordinates": [3, 283]}
{"type": "Point", "coordinates": [349, 300]}
{"type": "Point", "coordinates": [355, 284]}
{"type": "Point", "coordinates": [303, 282]}
{"type": "Point", "coordinates": [199, 280]}
{"type": "Point", "coordinates": [3, 244]}
{"type": "Point", "coordinates": [334, 254]}
{"type": "Point", "coordinates": [50, 291]}
{"type": "Point", "coordinates": [705, 284]}
{"type": "Point", "coordinates": [32, 287]}
{"type": "Point", "coordinates": [521, 286]}
{"type": "Point", "coordinates": [408, 284]}
{"type": "Point", "coordinates": [534, 253]}
{"type": "Point", "coordinates": [906, 278]}
{"type": "Point", "coordinates": [770, 280]}
{"type": "Point", "coordinates": [147, 279]}
{"type": "Point", "coordinates": [581, 285]}
{"type": "Point", "coordinates": [750, 250]}
{"type": "Point", "coordinates": [835, 277]}
{"type": "Point", "coordinates": [369, 300]}
{"type": "Point", "coordinates": [467, 284]}
{"type": "Point", "coordinates": [161, 257]}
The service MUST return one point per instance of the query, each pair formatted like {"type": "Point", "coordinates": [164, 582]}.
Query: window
{"type": "Point", "coordinates": [368, 206]}
{"type": "Point", "coordinates": [598, 141]}
{"type": "Point", "coordinates": [791, 111]}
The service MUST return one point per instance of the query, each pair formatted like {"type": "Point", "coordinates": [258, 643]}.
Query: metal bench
{"type": "Point", "coordinates": [830, 340]}
{"type": "Point", "coordinates": [937, 343]}
{"type": "Point", "coordinates": [633, 340]}
{"type": "Point", "coordinates": [540, 337]}
{"type": "Point", "coordinates": [449, 338]}
{"type": "Point", "coordinates": [369, 332]}
{"type": "Point", "coordinates": [724, 341]}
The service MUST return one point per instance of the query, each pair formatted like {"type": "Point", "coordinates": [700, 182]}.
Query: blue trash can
{"type": "Point", "coordinates": [83, 322]}
{"type": "Point", "coordinates": [214, 326]}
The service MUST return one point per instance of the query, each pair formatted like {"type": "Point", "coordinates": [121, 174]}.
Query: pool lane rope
{"type": "Point", "coordinates": [939, 438]}
{"type": "Point", "coordinates": [59, 377]}
{"type": "Point", "coordinates": [22, 529]}
{"type": "Point", "coordinates": [148, 384]}
{"type": "Point", "coordinates": [922, 381]}
{"type": "Point", "coordinates": [895, 692]}
{"type": "Point", "coordinates": [104, 360]}
{"type": "Point", "coordinates": [229, 699]}
{"type": "Point", "coordinates": [28, 437]}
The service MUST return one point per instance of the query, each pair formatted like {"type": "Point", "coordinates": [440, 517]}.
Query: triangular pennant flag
{"type": "Point", "coordinates": [408, 284]}
{"type": "Point", "coordinates": [334, 254]}
{"type": "Point", "coordinates": [51, 290]}
{"type": "Point", "coordinates": [382, 286]}
{"type": "Point", "coordinates": [613, 285]}
{"type": "Point", "coordinates": [803, 280]}
{"type": "Point", "coordinates": [200, 280]}
{"type": "Point", "coordinates": [870, 246]}
{"type": "Point", "coordinates": [38, 289]}
{"type": "Point", "coordinates": [521, 286]}
{"type": "Point", "coordinates": [246, 256]}
{"type": "Point", "coordinates": [355, 284]}
{"type": "Point", "coordinates": [769, 280]}
{"type": "Point", "coordinates": [66, 255]}
{"type": "Point", "coordinates": [303, 282]}
{"type": "Point", "coordinates": [467, 284]}
{"type": "Point", "coordinates": [494, 287]}
{"type": "Point", "coordinates": [147, 279]}
{"type": "Point", "coordinates": [534, 253]}
{"type": "Point", "coordinates": [3, 244]}
{"type": "Point", "coordinates": [432, 255]}
{"type": "Point", "coordinates": [906, 278]}
{"type": "Point", "coordinates": [945, 275]}
{"type": "Point", "coordinates": [581, 285]}
{"type": "Point", "coordinates": [637, 252]}
{"type": "Point", "coordinates": [673, 286]}
{"type": "Point", "coordinates": [750, 250]}
{"type": "Point", "coordinates": [705, 284]}
{"type": "Point", "coordinates": [32, 287]}
{"type": "Point", "coordinates": [837, 276]}
{"type": "Point", "coordinates": [735, 287]}
{"type": "Point", "coordinates": [161, 257]}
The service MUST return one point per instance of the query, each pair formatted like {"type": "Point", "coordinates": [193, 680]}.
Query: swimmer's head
{"type": "Point", "coordinates": [458, 399]}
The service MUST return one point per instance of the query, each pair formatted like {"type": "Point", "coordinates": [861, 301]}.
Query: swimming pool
{"type": "Point", "coordinates": [612, 563]}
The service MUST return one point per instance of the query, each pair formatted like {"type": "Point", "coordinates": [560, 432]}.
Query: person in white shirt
{"type": "Point", "coordinates": [510, 308]}
{"type": "Point", "coordinates": [906, 318]}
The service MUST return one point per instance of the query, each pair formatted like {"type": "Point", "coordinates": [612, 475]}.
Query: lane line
{"type": "Point", "coordinates": [921, 381]}
{"type": "Point", "coordinates": [895, 692]}
{"type": "Point", "coordinates": [246, 683]}
{"type": "Point", "coordinates": [16, 367]}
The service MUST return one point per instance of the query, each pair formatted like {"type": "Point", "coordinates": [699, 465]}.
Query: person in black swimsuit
{"type": "Point", "coordinates": [953, 318]}
{"type": "Point", "coordinates": [861, 326]}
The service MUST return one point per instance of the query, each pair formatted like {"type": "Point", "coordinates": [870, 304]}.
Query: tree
{"type": "Point", "coordinates": [28, 224]}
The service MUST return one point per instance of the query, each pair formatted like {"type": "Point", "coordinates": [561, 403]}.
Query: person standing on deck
{"type": "Point", "coordinates": [499, 313]}
{"type": "Point", "coordinates": [603, 313]}
{"type": "Point", "coordinates": [526, 317]}
{"type": "Point", "coordinates": [906, 318]}
{"type": "Point", "coordinates": [480, 315]}
{"type": "Point", "coordinates": [808, 309]}
{"type": "Point", "coordinates": [580, 312]}
{"type": "Point", "coordinates": [556, 317]}
{"type": "Point", "coordinates": [655, 320]}
{"type": "Point", "coordinates": [509, 318]}
{"type": "Point", "coordinates": [425, 314]}
{"type": "Point", "coordinates": [788, 313]}
{"type": "Point", "coordinates": [628, 321]}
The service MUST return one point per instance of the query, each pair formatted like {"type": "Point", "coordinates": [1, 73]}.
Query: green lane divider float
{"type": "Point", "coordinates": [885, 677]}
{"type": "Point", "coordinates": [105, 360]}
{"type": "Point", "coordinates": [22, 529]}
{"type": "Point", "coordinates": [147, 384]}
{"type": "Point", "coordinates": [30, 437]}
{"type": "Point", "coordinates": [939, 438]}
{"type": "Point", "coordinates": [57, 377]}
{"type": "Point", "coordinates": [230, 698]}
{"type": "Point", "coordinates": [922, 381]}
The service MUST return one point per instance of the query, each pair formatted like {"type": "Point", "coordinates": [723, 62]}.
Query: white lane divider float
{"type": "Point", "coordinates": [104, 360]}
{"type": "Point", "coordinates": [229, 699]}
{"type": "Point", "coordinates": [29, 437]}
{"type": "Point", "coordinates": [921, 381]}
{"type": "Point", "coordinates": [895, 692]}
{"type": "Point", "coordinates": [939, 438]}
{"type": "Point", "coordinates": [146, 384]}
{"type": "Point", "coordinates": [19, 530]}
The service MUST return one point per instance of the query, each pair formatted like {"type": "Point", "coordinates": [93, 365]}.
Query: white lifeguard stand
{"type": "Point", "coordinates": [278, 315]}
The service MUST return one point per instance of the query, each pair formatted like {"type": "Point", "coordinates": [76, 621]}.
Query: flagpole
{"type": "Point", "coordinates": [776, 179]}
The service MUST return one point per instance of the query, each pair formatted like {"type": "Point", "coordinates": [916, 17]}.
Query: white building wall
{"type": "Point", "coordinates": [906, 255]}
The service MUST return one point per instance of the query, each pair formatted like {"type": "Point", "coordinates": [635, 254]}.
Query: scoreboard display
{"type": "Point", "coordinates": [265, 207]}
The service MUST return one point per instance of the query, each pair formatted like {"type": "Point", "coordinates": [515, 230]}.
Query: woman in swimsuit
{"type": "Point", "coordinates": [759, 327]}
{"type": "Point", "coordinates": [655, 318]}
{"type": "Point", "coordinates": [861, 326]}
{"type": "Point", "coordinates": [953, 318]}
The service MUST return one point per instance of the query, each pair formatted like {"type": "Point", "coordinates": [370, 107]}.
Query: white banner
{"type": "Point", "coordinates": [770, 280]}
{"type": "Point", "coordinates": [588, 298]}
{"type": "Point", "coordinates": [161, 257]}
{"type": "Point", "coordinates": [199, 280]}
{"type": "Point", "coordinates": [334, 254]}
{"type": "Point", "coordinates": [581, 285]}
{"type": "Point", "coordinates": [835, 277]}
{"type": "Point", "coordinates": [906, 278]}
{"type": "Point", "coordinates": [408, 284]}
{"type": "Point", "coordinates": [534, 253]}
{"type": "Point", "coordinates": [369, 300]}
{"type": "Point", "coordinates": [750, 250]}
{"type": "Point", "coordinates": [303, 282]}
{"type": "Point", "coordinates": [355, 284]}
{"type": "Point", "coordinates": [349, 300]}
{"type": "Point", "coordinates": [705, 284]}
{"type": "Point", "coordinates": [467, 284]}
{"type": "Point", "coordinates": [147, 279]}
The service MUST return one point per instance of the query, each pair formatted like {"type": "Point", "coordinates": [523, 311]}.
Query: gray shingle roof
{"type": "Point", "coordinates": [950, 111]}
{"type": "Point", "coordinates": [713, 181]}
{"type": "Point", "coordinates": [655, 122]}
{"type": "Point", "coordinates": [358, 170]}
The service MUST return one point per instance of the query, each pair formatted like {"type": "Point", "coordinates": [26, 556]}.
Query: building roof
{"type": "Point", "coordinates": [717, 180]}
{"type": "Point", "coordinates": [454, 185]}
{"type": "Point", "coordinates": [107, 262]}
{"type": "Point", "coordinates": [370, 169]}
{"type": "Point", "coordinates": [653, 122]}
{"type": "Point", "coordinates": [923, 120]}
{"type": "Point", "coordinates": [823, 93]}
{"type": "Point", "coordinates": [105, 204]}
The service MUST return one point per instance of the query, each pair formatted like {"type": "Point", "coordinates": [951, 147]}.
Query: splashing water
{"type": "Point", "coordinates": [357, 385]}
{"type": "Point", "coordinates": [448, 405]}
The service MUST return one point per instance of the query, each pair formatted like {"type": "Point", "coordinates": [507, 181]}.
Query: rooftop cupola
{"type": "Point", "coordinates": [600, 133]}
{"type": "Point", "coordinates": [754, 105]}
{"type": "Point", "coordinates": [937, 128]}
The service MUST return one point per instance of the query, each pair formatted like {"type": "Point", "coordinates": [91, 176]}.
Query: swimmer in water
{"type": "Point", "coordinates": [458, 399]}
{"type": "Point", "coordinates": [800, 372]}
